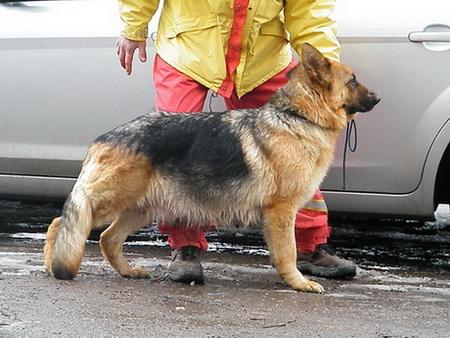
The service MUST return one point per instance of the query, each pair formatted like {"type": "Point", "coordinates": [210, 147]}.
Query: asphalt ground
{"type": "Point", "coordinates": [402, 288]}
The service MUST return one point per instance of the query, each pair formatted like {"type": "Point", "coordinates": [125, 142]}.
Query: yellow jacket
{"type": "Point", "coordinates": [193, 35]}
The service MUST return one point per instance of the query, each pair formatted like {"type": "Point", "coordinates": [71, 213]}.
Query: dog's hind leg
{"type": "Point", "coordinates": [66, 236]}
{"type": "Point", "coordinates": [111, 181]}
{"type": "Point", "coordinates": [280, 238]}
{"type": "Point", "coordinates": [111, 243]}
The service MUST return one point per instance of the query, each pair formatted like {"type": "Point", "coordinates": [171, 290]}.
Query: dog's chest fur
{"type": "Point", "coordinates": [300, 154]}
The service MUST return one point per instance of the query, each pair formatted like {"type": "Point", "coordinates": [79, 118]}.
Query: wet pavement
{"type": "Point", "coordinates": [402, 288]}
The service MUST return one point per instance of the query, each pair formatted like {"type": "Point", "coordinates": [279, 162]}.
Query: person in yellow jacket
{"type": "Point", "coordinates": [242, 50]}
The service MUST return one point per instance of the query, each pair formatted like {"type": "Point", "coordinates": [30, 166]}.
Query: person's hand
{"type": "Point", "coordinates": [125, 51]}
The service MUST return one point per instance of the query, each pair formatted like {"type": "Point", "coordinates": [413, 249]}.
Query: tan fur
{"type": "Point", "coordinates": [111, 243]}
{"type": "Point", "coordinates": [50, 242]}
{"type": "Point", "coordinates": [120, 178]}
{"type": "Point", "coordinates": [280, 238]}
{"type": "Point", "coordinates": [111, 181]}
{"type": "Point", "coordinates": [287, 159]}
{"type": "Point", "coordinates": [296, 182]}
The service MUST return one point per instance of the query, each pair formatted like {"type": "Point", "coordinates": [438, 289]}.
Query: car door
{"type": "Point", "coordinates": [413, 80]}
{"type": "Point", "coordinates": [61, 84]}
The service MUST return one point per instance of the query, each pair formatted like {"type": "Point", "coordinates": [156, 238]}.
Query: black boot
{"type": "Point", "coordinates": [323, 262]}
{"type": "Point", "coordinates": [185, 266]}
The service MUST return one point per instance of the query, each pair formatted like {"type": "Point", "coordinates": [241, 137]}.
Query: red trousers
{"type": "Point", "coordinates": [176, 92]}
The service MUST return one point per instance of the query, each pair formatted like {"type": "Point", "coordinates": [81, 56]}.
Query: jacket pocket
{"type": "Point", "coordinates": [185, 25]}
{"type": "Point", "coordinates": [194, 45]}
{"type": "Point", "coordinates": [274, 28]}
{"type": "Point", "coordinates": [271, 34]}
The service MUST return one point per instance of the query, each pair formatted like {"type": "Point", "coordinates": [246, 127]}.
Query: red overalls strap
{"type": "Point", "coordinates": [234, 46]}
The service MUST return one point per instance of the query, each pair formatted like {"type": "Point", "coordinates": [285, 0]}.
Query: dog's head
{"type": "Point", "coordinates": [331, 84]}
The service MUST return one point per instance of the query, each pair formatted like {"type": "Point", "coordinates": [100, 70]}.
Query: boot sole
{"type": "Point", "coordinates": [320, 271]}
{"type": "Point", "coordinates": [188, 274]}
{"type": "Point", "coordinates": [187, 278]}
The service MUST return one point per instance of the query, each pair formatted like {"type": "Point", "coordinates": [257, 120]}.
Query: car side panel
{"type": "Point", "coordinates": [61, 84]}
{"type": "Point", "coordinates": [413, 83]}
{"type": "Point", "coordinates": [394, 139]}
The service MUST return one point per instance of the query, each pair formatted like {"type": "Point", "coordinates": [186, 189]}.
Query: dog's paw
{"type": "Point", "coordinates": [136, 273]}
{"type": "Point", "coordinates": [310, 286]}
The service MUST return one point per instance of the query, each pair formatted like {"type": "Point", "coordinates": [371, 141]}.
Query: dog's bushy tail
{"type": "Point", "coordinates": [66, 235]}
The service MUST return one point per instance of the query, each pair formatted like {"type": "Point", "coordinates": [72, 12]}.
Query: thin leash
{"type": "Point", "coordinates": [213, 95]}
{"type": "Point", "coordinates": [349, 132]}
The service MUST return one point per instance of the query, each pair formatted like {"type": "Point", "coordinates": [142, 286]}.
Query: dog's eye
{"type": "Point", "coordinates": [352, 82]}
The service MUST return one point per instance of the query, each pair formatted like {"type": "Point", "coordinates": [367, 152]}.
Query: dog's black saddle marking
{"type": "Point", "coordinates": [197, 146]}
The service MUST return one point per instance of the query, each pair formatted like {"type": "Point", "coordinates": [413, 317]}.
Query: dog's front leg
{"type": "Point", "coordinates": [280, 238]}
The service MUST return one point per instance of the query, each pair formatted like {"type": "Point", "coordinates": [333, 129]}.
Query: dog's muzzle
{"type": "Point", "coordinates": [372, 100]}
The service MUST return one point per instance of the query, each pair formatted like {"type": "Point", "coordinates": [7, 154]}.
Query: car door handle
{"type": "Point", "coordinates": [429, 36]}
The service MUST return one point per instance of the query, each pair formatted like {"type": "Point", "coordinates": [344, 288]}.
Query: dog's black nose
{"type": "Point", "coordinates": [374, 98]}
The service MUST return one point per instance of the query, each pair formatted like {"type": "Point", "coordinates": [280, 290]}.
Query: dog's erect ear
{"type": "Point", "coordinates": [316, 65]}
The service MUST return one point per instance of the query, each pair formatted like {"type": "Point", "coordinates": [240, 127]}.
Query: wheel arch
{"type": "Point", "coordinates": [436, 174]}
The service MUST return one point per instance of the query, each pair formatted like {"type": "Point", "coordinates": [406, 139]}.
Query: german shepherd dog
{"type": "Point", "coordinates": [252, 166]}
